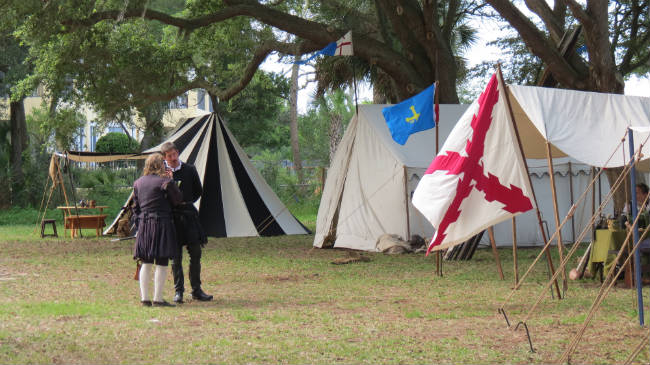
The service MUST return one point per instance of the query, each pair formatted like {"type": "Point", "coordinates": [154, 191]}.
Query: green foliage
{"type": "Point", "coordinates": [255, 116]}
{"type": "Point", "coordinates": [13, 65]}
{"type": "Point", "coordinates": [116, 143]}
{"type": "Point", "coordinates": [315, 125]}
{"type": "Point", "coordinates": [58, 131]}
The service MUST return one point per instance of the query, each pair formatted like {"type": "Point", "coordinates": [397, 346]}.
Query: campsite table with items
{"type": "Point", "coordinates": [74, 220]}
{"type": "Point", "coordinates": [604, 250]}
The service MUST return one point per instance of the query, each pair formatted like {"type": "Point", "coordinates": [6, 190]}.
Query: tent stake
{"type": "Point", "coordinates": [495, 252]}
{"type": "Point", "coordinates": [539, 215]}
{"type": "Point", "coordinates": [530, 342]}
{"type": "Point", "coordinates": [556, 213]}
{"type": "Point", "coordinates": [503, 311]}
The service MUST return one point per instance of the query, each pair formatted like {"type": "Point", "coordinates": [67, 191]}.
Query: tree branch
{"type": "Point", "coordinates": [541, 8]}
{"type": "Point", "coordinates": [579, 12]}
{"type": "Point", "coordinates": [258, 57]}
{"type": "Point", "coordinates": [539, 45]}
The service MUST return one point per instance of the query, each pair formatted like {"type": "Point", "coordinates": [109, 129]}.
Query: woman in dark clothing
{"type": "Point", "coordinates": [154, 194]}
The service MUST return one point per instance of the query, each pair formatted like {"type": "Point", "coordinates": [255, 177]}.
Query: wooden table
{"type": "Point", "coordinates": [74, 219]}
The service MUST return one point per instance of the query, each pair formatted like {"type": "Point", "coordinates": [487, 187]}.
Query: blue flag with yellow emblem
{"type": "Point", "coordinates": [412, 115]}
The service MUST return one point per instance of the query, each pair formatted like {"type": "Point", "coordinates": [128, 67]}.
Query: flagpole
{"type": "Point", "coordinates": [495, 252]}
{"type": "Point", "coordinates": [435, 104]}
{"type": "Point", "coordinates": [521, 150]}
{"type": "Point", "coordinates": [435, 98]}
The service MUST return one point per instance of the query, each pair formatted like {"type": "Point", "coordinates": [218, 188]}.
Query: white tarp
{"type": "Point", "coordinates": [587, 126]}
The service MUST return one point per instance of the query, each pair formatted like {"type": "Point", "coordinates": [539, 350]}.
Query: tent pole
{"type": "Point", "coordinates": [514, 251]}
{"type": "Point", "coordinates": [582, 266]}
{"type": "Point", "coordinates": [593, 194]}
{"type": "Point", "coordinates": [354, 82]}
{"type": "Point", "coordinates": [406, 195]}
{"type": "Point", "coordinates": [556, 213]}
{"type": "Point", "coordinates": [635, 230]}
{"type": "Point", "coordinates": [495, 252]}
{"type": "Point", "coordinates": [521, 150]}
{"type": "Point", "coordinates": [573, 224]}
{"type": "Point", "coordinates": [76, 209]}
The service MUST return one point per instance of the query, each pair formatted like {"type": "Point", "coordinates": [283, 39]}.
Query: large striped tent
{"type": "Point", "coordinates": [236, 200]}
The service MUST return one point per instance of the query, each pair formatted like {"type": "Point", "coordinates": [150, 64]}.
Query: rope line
{"type": "Point", "coordinates": [566, 218]}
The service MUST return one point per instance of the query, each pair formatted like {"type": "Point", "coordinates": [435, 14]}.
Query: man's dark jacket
{"type": "Point", "coordinates": [186, 217]}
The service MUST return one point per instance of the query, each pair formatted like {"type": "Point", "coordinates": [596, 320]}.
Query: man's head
{"type": "Point", "coordinates": [170, 152]}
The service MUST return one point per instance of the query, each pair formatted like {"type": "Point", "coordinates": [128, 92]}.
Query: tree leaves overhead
{"type": "Point", "coordinates": [218, 45]}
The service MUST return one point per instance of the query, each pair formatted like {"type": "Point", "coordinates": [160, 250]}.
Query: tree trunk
{"type": "Point", "coordinates": [336, 127]}
{"type": "Point", "coordinates": [18, 145]}
{"type": "Point", "coordinates": [215, 102]}
{"type": "Point", "coordinates": [377, 97]}
{"type": "Point", "coordinates": [293, 111]}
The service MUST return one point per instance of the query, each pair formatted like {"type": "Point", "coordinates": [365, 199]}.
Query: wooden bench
{"type": "Point", "coordinates": [76, 222]}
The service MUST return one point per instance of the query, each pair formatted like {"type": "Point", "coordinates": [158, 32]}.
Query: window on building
{"type": "Point", "coordinates": [200, 99]}
{"type": "Point", "coordinates": [93, 137]}
{"type": "Point", "coordinates": [180, 102]}
{"type": "Point", "coordinates": [115, 129]}
{"type": "Point", "coordinates": [80, 139]}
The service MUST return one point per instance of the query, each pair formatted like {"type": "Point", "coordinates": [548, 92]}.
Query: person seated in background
{"type": "Point", "coordinates": [641, 207]}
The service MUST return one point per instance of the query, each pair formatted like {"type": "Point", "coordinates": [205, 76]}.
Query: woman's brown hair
{"type": "Point", "coordinates": [154, 165]}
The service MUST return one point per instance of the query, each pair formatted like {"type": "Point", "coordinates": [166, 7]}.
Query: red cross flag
{"type": "Point", "coordinates": [479, 178]}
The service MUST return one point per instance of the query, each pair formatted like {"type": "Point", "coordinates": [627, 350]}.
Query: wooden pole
{"type": "Point", "coordinates": [322, 179]}
{"type": "Point", "coordinates": [514, 251]}
{"type": "Point", "coordinates": [435, 97]}
{"type": "Point", "coordinates": [556, 213]}
{"type": "Point", "coordinates": [573, 225]}
{"type": "Point", "coordinates": [406, 200]}
{"type": "Point", "coordinates": [539, 215]}
{"type": "Point", "coordinates": [593, 200]}
{"type": "Point", "coordinates": [495, 252]}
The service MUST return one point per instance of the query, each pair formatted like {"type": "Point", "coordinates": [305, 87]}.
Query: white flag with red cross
{"type": "Point", "coordinates": [479, 178]}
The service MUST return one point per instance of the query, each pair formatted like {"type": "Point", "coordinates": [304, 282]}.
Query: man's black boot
{"type": "Point", "coordinates": [198, 294]}
{"type": "Point", "coordinates": [178, 298]}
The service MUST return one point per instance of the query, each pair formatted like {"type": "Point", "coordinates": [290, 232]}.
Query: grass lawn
{"type": "Point", "coordinates": [278, 300]}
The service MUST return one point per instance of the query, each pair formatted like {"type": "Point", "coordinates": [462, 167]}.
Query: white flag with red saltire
{"type": "Point", "coordinates": [479, 178]}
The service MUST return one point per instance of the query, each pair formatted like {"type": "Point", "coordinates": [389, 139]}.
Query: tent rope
{"type": "Point", "coordinates": [610, 280]}
{"type": "Point", "coordinates": [550, 240]}
{"type": "Point", "coordinates": [269, 220]}
{"type": "Point", "coordinates": [637, 350]}
{"type": "Point", "coordinates": [41, 209]}
{"type": "Point", "coordinates": [563, 263]}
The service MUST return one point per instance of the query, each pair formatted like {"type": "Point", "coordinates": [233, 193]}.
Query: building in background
{"type": "Point", "coordinates": [191, 104]}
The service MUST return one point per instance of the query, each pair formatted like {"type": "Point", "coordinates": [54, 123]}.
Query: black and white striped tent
{"type": "Point", "coordinates": [236, 200]}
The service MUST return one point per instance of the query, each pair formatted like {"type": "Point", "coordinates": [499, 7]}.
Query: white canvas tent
{"type": "Point", "coordinates": [370, 180]}
{"type": "Point", "coordinates": [236, 200]}
{"type": "Point", "coordinates": [371, 176]}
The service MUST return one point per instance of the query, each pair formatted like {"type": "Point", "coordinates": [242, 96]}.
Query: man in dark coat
{"type": "Point", "coordinates": [186, 218]}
